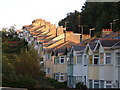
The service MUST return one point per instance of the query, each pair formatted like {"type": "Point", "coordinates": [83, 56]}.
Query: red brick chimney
{"type": "Point", "coordinates": [106, 32]}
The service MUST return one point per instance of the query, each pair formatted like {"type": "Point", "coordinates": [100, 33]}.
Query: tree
{"type": "Point", "coordinates": [95, 15]}
{"type": "Point", "coordinates": [30, 62]}
{"type": "Point", "coordinates": [12, 62]}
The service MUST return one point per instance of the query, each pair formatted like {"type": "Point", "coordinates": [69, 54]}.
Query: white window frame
{"type": "Point", "coordinates": [96, 83]}
{"type": "Point", "coordinates": [94, 57]}
{"type": "Point", "coordinates": [100, 84]}
{"type": "Point", "coordinates": [60, 76]}
{"type": "Point", "coordinates": [57, 76]}
{"type": "Point", "coordinates": [108, 56]}
{"type": "Point", "coordinates": [108, 84]}
{"type": "Point", "coordinates": [60, 58]}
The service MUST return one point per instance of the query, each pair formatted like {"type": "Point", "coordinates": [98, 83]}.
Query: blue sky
{"type": "Point", "coordinates": [23, 12]}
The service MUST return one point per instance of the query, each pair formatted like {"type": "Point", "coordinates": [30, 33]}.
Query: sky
{"type": "Point", "coordinates": [23, 12]}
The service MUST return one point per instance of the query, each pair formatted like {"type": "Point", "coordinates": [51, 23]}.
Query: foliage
{"type": "Point", "coordinates": [20, 66]}
{"type": "Point", "coordinates": [94, 15]}
{"type": "Point", "coordinates": [57, 84]}
{"type": "Point", "coordinates": [72, 20]}
{"type": "Point", "coordinates": [25, 81]}
{"type": "Point", "coordinates": [81, 85]}
{"type": "Point", "coordinates": [29, 60]}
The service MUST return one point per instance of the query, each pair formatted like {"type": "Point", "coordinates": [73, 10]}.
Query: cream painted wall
{"type": "Point", "coordinates": [60, 68]}
{"type": "Point", "coordinates": [93, 72]}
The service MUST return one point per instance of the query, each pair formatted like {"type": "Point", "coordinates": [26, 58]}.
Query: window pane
{"type": "Point", "coordinates": [108, 86]}
{"type": "Point", "coordinates": [95, 61]}
{"type": "Point", "coordinates": [108, 82]}
{"type": "Point", "coordinates": [118, 58]}
{"type": "Point", "coordinates": [90, 83]}
{"type": "Point", "coordinates": [96, 85]}
{"type": "Point", "coordinates": [61, 59]}
{"type": "Point", "coordinates": [108, 58]}
{"type": "Point", "coordinates": [79, 59]}
{"type": "Point", "coordinates": [101, 84]}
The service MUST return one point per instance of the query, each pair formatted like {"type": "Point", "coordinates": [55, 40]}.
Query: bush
{"type": "Point", "coordinates": [81, 85]}
{"type": "Point", "coordinates": [25, 81]}
{"type": "Point", "coordinates": [57, 84]}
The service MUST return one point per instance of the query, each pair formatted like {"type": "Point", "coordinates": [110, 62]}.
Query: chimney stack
{"type": "Point", "coordinates": [106, 32]}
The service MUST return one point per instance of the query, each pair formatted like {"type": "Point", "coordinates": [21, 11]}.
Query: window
{"type": "Point", "coordinates": [96, 83]}
{"type": "Point", "coordinates": [108, 84]}
{"type": "Point", "coordinates": [61, 59]}
{"type": "Point", "coordinates": [56, 60]}
{"type": "Point", "coordinates": [59, 76]}
{"type": "Point", "coordinates": [101, 83]}
{"type": "Point", "coordinates": [90, 84]}
{"type": "Point", "coordinates": [48, 57]}
{"type": "Point", "coordinates": [47, 70]}
{"type": "Point", "coordinates": [96, 59]}
{"type": "Point", "coordinates": [108, 58]}
{"type": "Point", "coordinates": [118, 58]}
{"type": "Point", "coordinates": [79, 59]}
{"type": "Point", "coordinates": [85, 80]}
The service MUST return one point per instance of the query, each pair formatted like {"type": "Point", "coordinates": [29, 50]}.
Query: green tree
{"type": "Point", "coordinates": [94, 15]}
{"type": "Point", "coordinates": [30, 62]}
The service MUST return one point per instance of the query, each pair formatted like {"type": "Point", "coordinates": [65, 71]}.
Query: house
{"type": "Point", "coordinates": [103, 70]}
{"type": "Point", "coordinates": [77, 66]}
{"type": "Point", "coordinates": [57, 45]}
{"type": "Point", "coordinates": [60, 61]}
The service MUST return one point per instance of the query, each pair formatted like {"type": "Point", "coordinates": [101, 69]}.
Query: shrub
{"type": "Point", "coordinates": [81, 85]}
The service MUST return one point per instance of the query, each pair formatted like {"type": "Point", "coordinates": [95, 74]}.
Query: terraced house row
{"type": "Point", "coordinates": [75, 57]}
